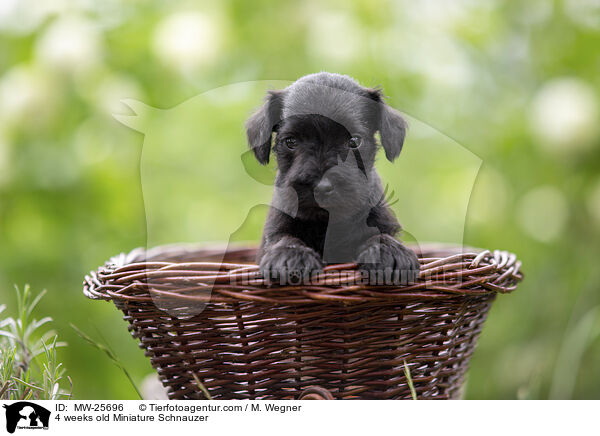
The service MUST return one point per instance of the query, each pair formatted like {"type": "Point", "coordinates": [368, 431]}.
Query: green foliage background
{"type": "Point", "coordinates": [515, 83]}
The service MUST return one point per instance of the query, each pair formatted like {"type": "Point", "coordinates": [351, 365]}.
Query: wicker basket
{"type": "Point", "coordinates": [332, 340]}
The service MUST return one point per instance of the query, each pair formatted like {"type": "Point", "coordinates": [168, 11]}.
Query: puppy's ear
{"type": "Point", "coordinates": [392, 127]}
{"type": "Point", "coordinates": [261, 125]}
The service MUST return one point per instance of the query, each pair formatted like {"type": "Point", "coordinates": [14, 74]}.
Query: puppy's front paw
{"type": "Point", "coordinates": [387, 261]}
{"type": "Point", "coordinates": [289, 265]}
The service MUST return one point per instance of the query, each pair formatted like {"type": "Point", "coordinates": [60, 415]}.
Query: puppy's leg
{"type": "Point", "coordinates": [289, 261]}
{"type": "Point", "coordinates": [387, 260]}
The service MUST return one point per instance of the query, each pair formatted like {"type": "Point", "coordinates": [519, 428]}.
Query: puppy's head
{"type": "Point", "coordinates": [318, 121]}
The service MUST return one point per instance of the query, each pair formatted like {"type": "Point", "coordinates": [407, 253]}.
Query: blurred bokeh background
{"type": "Point", "coordinates": [516, 84]}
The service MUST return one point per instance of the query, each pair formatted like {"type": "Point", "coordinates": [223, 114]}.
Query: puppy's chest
{"type": "Point", "coordinates": [312, 233]}
{"type": "Point", "coordinates": [343, 241]}
{"type": "Point", "coordinates": [335, 242]}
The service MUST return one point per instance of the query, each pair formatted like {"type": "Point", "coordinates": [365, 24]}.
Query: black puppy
{"type": "Point", "coordinates": [328, 204]}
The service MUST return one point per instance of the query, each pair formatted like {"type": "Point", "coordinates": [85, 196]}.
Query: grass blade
{"type": "Point", "coordinates": [202, 387]}
{"type": "Point", "coordinates": [110, 354]}
{"type": "Point", "coordinates": [409, 380]}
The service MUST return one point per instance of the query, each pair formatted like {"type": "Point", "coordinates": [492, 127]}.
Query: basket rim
{"type": "Point", "coordinates": [145, 274]}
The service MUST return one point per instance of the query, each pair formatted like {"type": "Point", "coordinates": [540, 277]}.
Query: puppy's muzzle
{"type": "Point", "coordinates": [324, 188]}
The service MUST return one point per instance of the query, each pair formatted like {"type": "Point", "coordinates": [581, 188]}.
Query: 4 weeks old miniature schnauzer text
{"type": "Point", "coordinates": [329, 204]}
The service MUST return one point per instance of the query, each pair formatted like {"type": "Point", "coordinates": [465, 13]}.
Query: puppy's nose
{"type": "Point", "coordinates": [324, 187]}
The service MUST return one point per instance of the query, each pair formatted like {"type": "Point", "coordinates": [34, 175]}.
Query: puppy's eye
{"type": "Point", "coordinates": [355, 142]}
{"type": "Point", "coordinates": [291, 143]}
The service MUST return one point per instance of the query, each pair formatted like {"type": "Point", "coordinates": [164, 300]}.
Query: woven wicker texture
{"type": "Point", "coordinates": [253, 341]}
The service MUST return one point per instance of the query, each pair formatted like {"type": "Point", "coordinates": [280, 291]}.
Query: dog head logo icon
{"type": "Point", "coordinates": [26, 415]}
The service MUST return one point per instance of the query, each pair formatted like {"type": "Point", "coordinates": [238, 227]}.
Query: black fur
{"type": "Point", "coordinates": [328, 203]}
